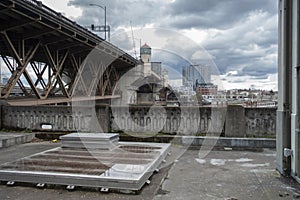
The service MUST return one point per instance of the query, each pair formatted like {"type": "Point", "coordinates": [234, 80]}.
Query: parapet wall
{"type": "Point", "coordinates": [59, 118]}
{"type": "Point", "coordinates": [182, 120]}
{"type": "Point", "coordinates": [260, 122]}
{"type": "Point", "coordinates": [234, 121]}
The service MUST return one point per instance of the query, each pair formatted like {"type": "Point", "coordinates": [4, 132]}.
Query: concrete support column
{"type": "Point", "coordinates": [283, 128]}
{"type": "Point", "coordinates": [295, 122]}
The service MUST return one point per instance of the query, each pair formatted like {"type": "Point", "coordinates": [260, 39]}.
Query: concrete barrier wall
{"type": "Point", "coordinates": [60, 118]}
{"type": "Point", "coordinates": [239, 122]}
{"type": "Point", "coordinates": [182, 120]}
{"type": "Point", "coordinates": [250, 122]}
{"type": "Point", "coordinates": [235, 121]}
{"type": "Point", "coordinates": [260, 122]}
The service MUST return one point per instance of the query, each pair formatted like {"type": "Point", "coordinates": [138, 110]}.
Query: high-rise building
{"type": "Point", "coordinates": [196, 73]}
{"type": "Point", "coordinates": [156, 68]}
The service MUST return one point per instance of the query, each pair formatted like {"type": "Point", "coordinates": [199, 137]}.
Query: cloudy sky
{"type": "Point", "coordinates": [237, 37]}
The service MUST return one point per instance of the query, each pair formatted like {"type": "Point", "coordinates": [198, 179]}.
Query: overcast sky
{"type": "Point", "coordinates": [238, 37]}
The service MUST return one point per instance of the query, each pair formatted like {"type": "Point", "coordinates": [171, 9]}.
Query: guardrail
{"type": "Point", "coordinates": [49, 13]}
{"type": "Point", "coordinates": [58, 16]}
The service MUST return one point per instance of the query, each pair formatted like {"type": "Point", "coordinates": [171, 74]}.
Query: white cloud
{"type": "Point", "coordinates": [63, 7]}
{"type": "Point", "coordinates": [244, 82]}
{"type": "Point", "coordinates": [241, 35]}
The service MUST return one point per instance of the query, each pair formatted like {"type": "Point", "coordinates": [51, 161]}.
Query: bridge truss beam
{"type": "Point", "coordinates": [45, 52]}
{"type": "Point", "coordinates": [45, 79]}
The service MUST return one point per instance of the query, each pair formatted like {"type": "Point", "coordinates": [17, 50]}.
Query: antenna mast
{"type": "Point", "coordinates": [133, 42]}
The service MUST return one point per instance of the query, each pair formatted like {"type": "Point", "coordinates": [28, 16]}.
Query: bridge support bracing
{"type": "Point", "coordinates": [45, 52]}
{"type": "Point", "coordinates": [48, 80]}
{"type": "Point", "coordinates": [22, 58]}
{"type": "Point", "coordinates": [108, 81]}
{"type": "Point", "coordinates": [56, 64]}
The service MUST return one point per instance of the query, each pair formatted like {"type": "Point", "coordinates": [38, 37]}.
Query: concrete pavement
{"type": "Point", "coordinates": [227, 175]}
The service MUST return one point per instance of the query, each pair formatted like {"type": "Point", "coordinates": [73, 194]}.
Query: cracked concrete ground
{"type": "Point", "coordinates": [227, 175]}
{"type": "Point", "coordinates": [219, 175]}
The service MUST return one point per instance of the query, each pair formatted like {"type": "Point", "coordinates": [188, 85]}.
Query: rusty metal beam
{"type": "Point", "coordinates": [76, 66]}
{"type": "Point", "coordinates": [22, 62]}
{"type": "Point", "coordinates": [11, 69]}
{"type": "Point", "coordinates": [78, 82]}
{"type": "Point", "coordinates": [56, 68]}
{"type": "Point", "coordinates": [39, 74]}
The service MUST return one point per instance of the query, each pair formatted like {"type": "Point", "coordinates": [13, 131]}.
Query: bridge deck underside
{"type": "Point", "coordinates": [47, 54]}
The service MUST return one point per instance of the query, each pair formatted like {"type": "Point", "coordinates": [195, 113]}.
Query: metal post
{"type": "Point", "coordinates": [105, 22]}
{"type": "Point", "coordinates": [104, 8]}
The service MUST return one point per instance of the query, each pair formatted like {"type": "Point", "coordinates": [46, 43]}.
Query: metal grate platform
{"type": "Point", "coordinates": [126, 166]}
{"type": "Point", "coordinates": [90, 140]}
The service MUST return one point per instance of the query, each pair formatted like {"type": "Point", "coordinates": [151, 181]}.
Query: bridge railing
{"type": "Point", "coordinates": [59, 16]}
{"type": "Point", "coordinates": [71, 24]}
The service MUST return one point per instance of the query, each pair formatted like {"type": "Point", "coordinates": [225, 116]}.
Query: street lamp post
{"type": "Point", "coordinates": [104, 8]}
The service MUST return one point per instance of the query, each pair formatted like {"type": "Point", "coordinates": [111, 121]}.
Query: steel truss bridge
{"type": "Point", "coordinates": [44, 52]}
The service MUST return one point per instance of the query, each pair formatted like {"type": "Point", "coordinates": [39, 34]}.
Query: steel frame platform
{"type": "Point", "coordinates": [128, 166]}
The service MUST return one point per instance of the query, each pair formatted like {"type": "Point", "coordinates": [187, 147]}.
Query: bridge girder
{"type": "Point", "coordinates": [44, 52]}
